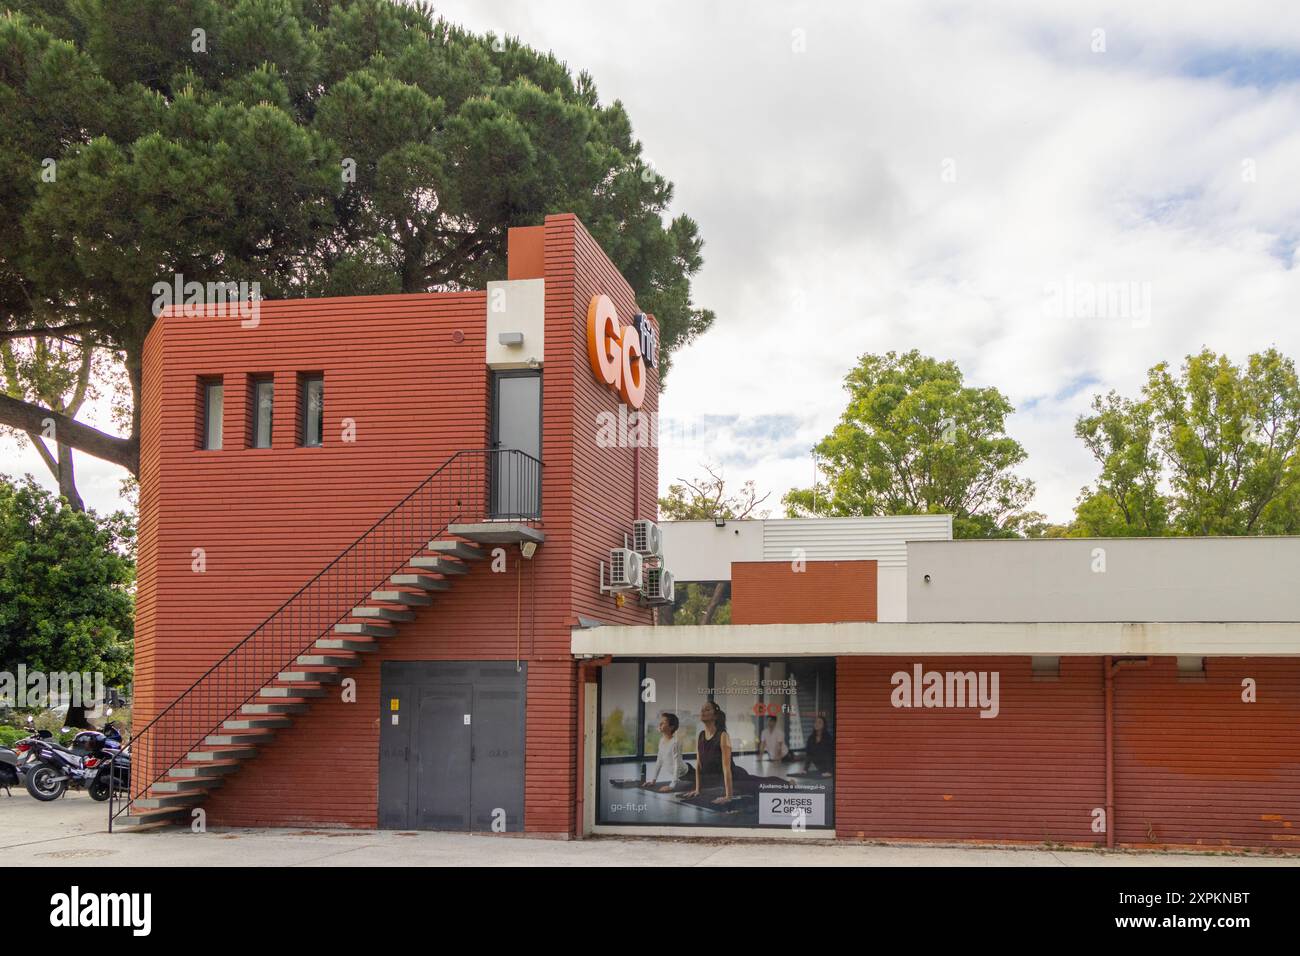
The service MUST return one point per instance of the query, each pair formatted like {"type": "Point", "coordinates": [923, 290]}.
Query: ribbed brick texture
{"type": "Point", "coordinates": [268, 519]}
{"type": "Point", "coordinates": [802, 592]}
{"type": "Point", "coordinates": [1194, 765]}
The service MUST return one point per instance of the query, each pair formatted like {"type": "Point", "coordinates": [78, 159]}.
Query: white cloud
{"type": "Point", "coordinates": [816, 180]}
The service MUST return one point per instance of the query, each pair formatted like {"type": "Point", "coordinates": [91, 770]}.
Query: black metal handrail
{"type": "Point", "coordinates": [470, 485]}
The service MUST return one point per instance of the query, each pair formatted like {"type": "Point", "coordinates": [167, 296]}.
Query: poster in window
{"type": "Point", "coordinates": [722, 743]}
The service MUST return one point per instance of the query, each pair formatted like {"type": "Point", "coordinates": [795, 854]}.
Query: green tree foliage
{"type": "Point", "coordinates": [915, 439]}
{"type": "Point", "coordinates": [707, 497]}
{"type": "Point", "coordinates": [313, 146]}
{"type": "Point", "coordinates": [617, 733]}
{"type": "Point", "coordinates": [65, 585]}
{"type": "Point", "coordinates": [57, 374]}
{"type": "Point", "coordinates": [701, 602]}
{"type": "Point", "coordinates": [1209, 449]}
{"type": "Point", "coordinates": [704, 499]}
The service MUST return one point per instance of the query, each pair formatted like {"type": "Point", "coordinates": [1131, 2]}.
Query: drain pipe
{"type": "Point", "coordinates": [1112, 667]}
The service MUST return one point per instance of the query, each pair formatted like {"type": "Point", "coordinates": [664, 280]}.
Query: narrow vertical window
{"type": "Point", "coordinates": [213, 408]}
{"type": "Point", "coordinates": [263, 411]}
{"type": "Point", "coordinates": [313, 410]}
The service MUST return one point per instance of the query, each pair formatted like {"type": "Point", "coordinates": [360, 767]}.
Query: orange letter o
{"type": "Point", "coordinates": [631, 384]}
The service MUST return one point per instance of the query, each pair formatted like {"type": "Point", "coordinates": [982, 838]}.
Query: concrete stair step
{"type": "Point", "coordinates": [357, 644]}
{"type": "Point", "coordinates": [305, 679]}
{"type": "Point", "coordinates": [248, 723]}
{"type": "Point", "coordinates": [184, 799]}
{"type": "Point", "coordinates": [330, 659]}
{"type": "Point", "coordinates": [287, 705]}
{"type": "Point", "coordinates": [458, 549]}
{"type": "Point", "coordinates": [185, 785]}
{"type": "Point", "coordinates": [406, 598]}
{"type": "Point", "coordinates": [253, 737]}
{"type": "Point", "coordinates": [382, 614]}
{"type": "Point", "coordinates": [239, 751]}
{"type": "Point", "coordinates": [296, 692]}
{"type": "Point", "coordinates": [423, 581]}
{"type": "Point", "coordinates": [365, 629]}
{"type": "Point", "coordinates": [437, 565]}
{"type": "Point", "coordinates": [213, 771]}
{"type": "Point", "coordinates": [152, 819]}
{"type": "Point", "coordinates": [497, 532]}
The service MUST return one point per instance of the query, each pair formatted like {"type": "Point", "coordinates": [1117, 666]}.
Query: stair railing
{"type": "Point", "coordinates": [471, 485]}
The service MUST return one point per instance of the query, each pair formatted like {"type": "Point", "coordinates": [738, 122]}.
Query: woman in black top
{"type": "Point", "coordinates": [714, 766]}
{"type": "Point", "coordinates": [820, 748]}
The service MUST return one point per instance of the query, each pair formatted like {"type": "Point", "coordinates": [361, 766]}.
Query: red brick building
{"type": "Point", "coordinates": [396, 571]}
{"type": "Point", "coordinates": [283, 549]}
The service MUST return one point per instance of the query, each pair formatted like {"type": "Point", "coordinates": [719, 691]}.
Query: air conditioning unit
{"type": "Point", "coordinates": [658, 587]}
{"type": "Point", "coordinates": [647, 539]}
{"type": "Point", "coordinates": [624, 570]}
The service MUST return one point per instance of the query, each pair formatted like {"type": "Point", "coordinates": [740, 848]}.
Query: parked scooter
{"type": "Point", "coordinates": [9, 775]}
{"type": "Point", "coordinates": [52, 769]}
{"type": "Point", "coordinates": [111, 765]}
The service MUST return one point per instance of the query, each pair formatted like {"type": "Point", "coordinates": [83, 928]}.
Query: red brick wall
{"type": "Point", "coordinates": [823, 592]}
{"type": "Point", "coordinates": [269, 519]}
{"type": "Point", "coordinates": [1194, 765]}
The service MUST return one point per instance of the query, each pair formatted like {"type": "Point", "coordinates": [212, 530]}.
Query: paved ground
{"type": "Point", "coordinates": [72, 831]}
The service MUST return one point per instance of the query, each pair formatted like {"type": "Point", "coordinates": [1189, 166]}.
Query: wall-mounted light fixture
{"type": "Point", "coordinates": [528, 548]}
{"type": "Point", "coordinates": [719, 522]}
{"type": "Point", "coordinates": [513, 340]}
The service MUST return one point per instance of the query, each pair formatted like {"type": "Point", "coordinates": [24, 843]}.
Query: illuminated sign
{"type": "Point", "coordinates": [619, 354]}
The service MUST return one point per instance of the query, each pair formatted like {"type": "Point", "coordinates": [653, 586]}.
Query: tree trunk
{"type": "Point", "coordinates": [32, 418]}
{"type": "Point", "coordinates": [68, 479]}
{"type": "Point", "coordinates": [714, 602]}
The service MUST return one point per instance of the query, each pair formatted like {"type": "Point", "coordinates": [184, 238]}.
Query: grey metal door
{"type": "Point", "coordinates": [441, 781]}
{"type": "Point", "coordinates": [516, 427]}
{"type": "Point", "coordinates": [497, 792]}
{"type": "Point", "coordinates": [451, 745]}
{"type": "Point", "coordinates": [395, 721]}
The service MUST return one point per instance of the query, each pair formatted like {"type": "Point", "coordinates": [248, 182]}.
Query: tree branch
{"type": "Point", "coordinates": [31, 418]}
{"type": "Point", "coordinates": [52, 331]}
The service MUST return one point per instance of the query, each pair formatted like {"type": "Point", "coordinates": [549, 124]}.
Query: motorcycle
{"type": "Point", "coordinates": [52, 769]}
{"type": "Point", "coordinates": [111, 766]}
{"type": "Point", "coordinates": [10, 776]}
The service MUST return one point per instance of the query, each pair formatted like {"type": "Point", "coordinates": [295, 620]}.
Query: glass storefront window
{"type": "Point", "coordinates": [736, 691]}
{"type": "Point", "coordinates": [679, 689]}
{"type": "Point", "coordinates": [699, 602]}
{"type": "Point", "coordinates": [773, 779]}
{"type": "Point", "coordinates": [618, 709]}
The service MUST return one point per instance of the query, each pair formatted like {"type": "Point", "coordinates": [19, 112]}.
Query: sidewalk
{"type": "Point", "coordinates": [73, 831]}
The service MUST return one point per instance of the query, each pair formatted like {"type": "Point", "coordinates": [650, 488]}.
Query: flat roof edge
{"type": "Point", "coordinates": [972, 639]}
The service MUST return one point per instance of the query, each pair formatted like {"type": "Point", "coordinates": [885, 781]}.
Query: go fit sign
{"type": "Point", "coordinates": [619, 353]}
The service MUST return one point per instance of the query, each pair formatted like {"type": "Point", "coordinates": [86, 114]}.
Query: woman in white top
{"type": "Point", "coordinates": [670, 757]}
{"type": "Point", "coordinates": [771, 744]}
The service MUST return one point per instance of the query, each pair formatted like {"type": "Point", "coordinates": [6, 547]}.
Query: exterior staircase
{"type": "Point", "coordinates": [243, 708]}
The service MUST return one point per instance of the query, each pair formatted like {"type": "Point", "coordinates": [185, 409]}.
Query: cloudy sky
{"type": "Point", "coordinates": [961, 178]}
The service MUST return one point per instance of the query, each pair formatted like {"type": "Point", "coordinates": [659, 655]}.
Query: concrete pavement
{"type": "Point", "coordinates": [73, 831]}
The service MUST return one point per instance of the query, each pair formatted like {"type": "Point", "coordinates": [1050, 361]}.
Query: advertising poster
{"type": "Point", "coordinates": [726, 743]}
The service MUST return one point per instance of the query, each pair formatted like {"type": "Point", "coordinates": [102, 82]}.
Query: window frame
{"type": "Point", "coordinates": [255, 384]}
{"type": "Point", "coordinates": [305, 381]}
{"type": "Point", "coordinates": [206, 386]}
